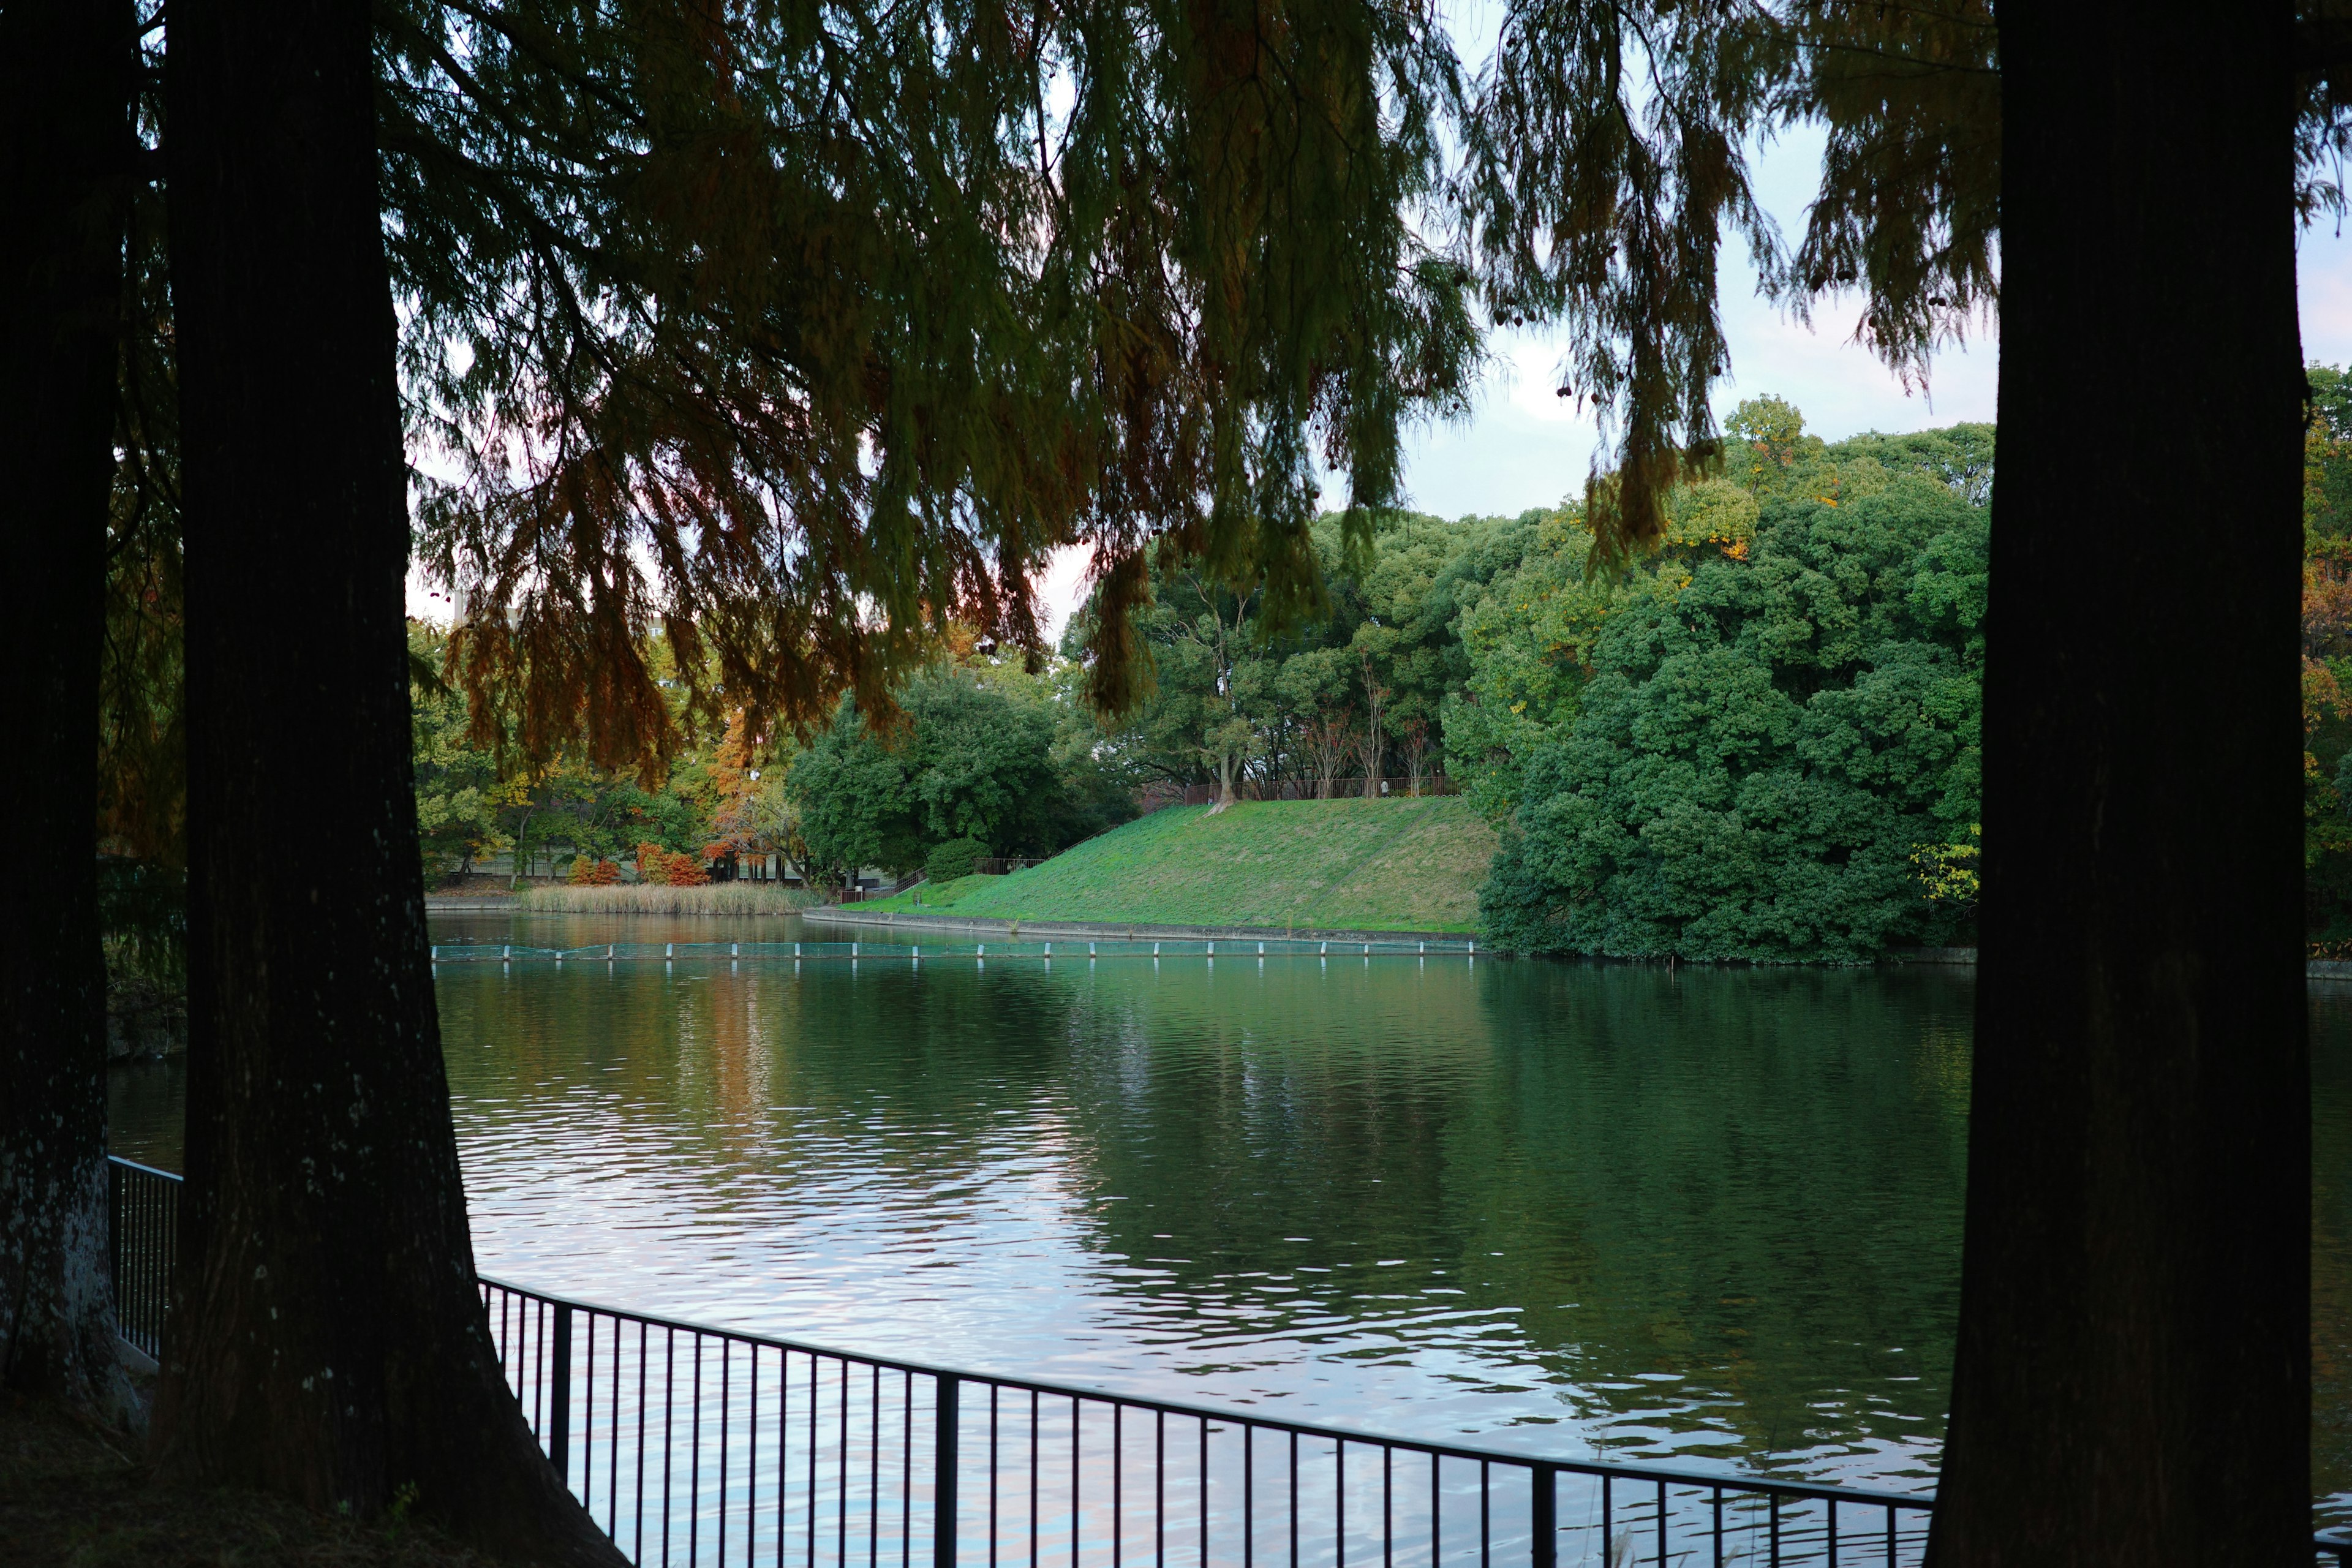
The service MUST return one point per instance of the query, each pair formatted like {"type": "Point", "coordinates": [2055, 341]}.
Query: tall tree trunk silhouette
{"type": "Point", "coordinates": [66, 76]}
{"type": "Point", "coordinates": [327, 1341]}
{"type": "Point", "coordinates": [2133, 1376]}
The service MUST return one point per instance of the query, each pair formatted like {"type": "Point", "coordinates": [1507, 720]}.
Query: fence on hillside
{"type": "Point", "coordinates": [859, 895]}
{"type": "Point", "coordinates": [694, 1445]}
{"type": "Point", "coordinates": [1158, 797]}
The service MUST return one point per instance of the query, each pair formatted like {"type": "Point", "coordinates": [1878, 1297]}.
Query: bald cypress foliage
{"type": "Point", "coordinates": [798, 334]}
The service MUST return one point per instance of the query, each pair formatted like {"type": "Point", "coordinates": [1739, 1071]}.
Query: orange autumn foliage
{"type": "Point", "coordinates": [668, 869]}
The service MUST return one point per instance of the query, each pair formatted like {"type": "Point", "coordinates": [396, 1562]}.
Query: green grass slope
{"type": "Point", "coordinates": [1358, 865]}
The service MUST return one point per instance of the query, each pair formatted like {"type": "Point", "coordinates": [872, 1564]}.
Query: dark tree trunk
{"type": "Point", "coordinates": [327, 1342]}
{"type": "Point", "coordinates": [2133, 1378]}
{"type": "Point", "coordinates": [66, 76]}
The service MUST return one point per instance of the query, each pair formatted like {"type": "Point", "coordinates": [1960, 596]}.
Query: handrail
{"type": "Point", "coordinates": [1631, 1471]}
{"type": "Point", "coordinates": [582, 1384]}
{"type": "Point", "coordinates": [625, 1402]}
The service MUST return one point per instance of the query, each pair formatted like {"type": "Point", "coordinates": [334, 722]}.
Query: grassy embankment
{"type": "Point", "coordinates": [1331, 865]}
{"type": "Point", "coordinates": [649, 899]}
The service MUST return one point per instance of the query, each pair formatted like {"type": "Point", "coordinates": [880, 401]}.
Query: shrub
{"type": "Point", "coordinates": [954, 859]}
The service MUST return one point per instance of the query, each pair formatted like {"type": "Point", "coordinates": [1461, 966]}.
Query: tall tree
{"type": "Point", "coordinates": [2133, 1381]}
{"type": "Point", "coordinates": [327, 1339]}
{"type": "Point", "coordinates": [2133, 1374]}
{"type": "Point", "coordinates": [66, 71]}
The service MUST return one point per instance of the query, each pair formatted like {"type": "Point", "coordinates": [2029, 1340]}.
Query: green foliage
{"type": "Point", "coordinates": [1318, 702]}
{"type": "Point", "coordinates": [472, 804]}
{"type": "Point", "coordinates": [954, 860]}
{"type": "Point", "coordinates": [1741, 749]}
{"type": "Point", "coordinates": [457, 806]}
{"type": "Point", "coordinates": [828, 327]}
{"type": "Point", "coordinates": [984, 753]}
{"type": "Point", "coordinates": [143, 919]}
{"type": "Point", "coordinates": [2327, 655]}
{"type": "Point", "coordinates": [1947, 872]}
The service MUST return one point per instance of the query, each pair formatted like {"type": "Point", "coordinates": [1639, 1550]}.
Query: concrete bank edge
{"type": "Point", "coordinates": [1122, 931]}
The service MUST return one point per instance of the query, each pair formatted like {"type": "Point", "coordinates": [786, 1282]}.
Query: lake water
{"type": "Point", "coordinates": [1710, 1214]}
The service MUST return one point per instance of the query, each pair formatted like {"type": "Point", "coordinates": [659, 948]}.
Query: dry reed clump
{"type": "Point", "coordinates": [654, 898]}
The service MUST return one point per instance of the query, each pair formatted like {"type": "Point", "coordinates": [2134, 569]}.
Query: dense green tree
{"type": "Point", "coordinates": [456, 785]}
{"type": "Point", "coordinates": [2327, 659]}
{"type": "Point", "coordinates": [854, 805]}
{"type": "Point", "coordinates": [975, 756]}
{"type": "Point", "coordinates": [1237, 695]}
{"type": "Point", "coordinates": [1765, 742]}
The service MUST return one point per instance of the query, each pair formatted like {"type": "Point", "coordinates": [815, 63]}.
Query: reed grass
{"type": "Point", "coordinates": [652, 899]}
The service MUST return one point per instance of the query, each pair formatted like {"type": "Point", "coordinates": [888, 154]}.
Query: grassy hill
{"type": "Point", "coordinates": [1362, 865]}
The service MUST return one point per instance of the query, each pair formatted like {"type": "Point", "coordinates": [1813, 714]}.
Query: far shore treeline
{"type": "Point", "coordinates": [1758, 742]}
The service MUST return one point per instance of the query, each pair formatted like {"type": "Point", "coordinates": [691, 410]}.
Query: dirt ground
{"type": "Point", "coordinates": [75, 1497]}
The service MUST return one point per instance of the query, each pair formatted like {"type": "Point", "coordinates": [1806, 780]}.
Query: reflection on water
{"type": "Point", "coordinates": [1712, 1215]}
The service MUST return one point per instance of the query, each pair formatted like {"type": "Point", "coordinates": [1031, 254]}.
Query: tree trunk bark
{"type": "Point", "coordinates": [2133, 1374]}
{"type": "Point", "coordinates": [67, 70]}
{"type": "Point", "coordinates": [327, 1341]}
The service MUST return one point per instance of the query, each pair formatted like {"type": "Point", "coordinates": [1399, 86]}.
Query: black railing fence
{"type": "Point", "coordinates": [146, 1207]}
{"type": "Point", "coordinates": [1159, 798]}
{"type": "Point", "coordinates": [694, 1445]}
{"type": "Point", "coordinates": [698, 1445]}
{"type": "Point", "coordinates": [917, 953]}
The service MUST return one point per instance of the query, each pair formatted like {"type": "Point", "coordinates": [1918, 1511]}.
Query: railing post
{"type": "Point", "coordinates": [1546, 1524]}
{"type": "Point", "coordinates": [943, 1488]}
{"type": "Point", "coordinates": [559, 1396]}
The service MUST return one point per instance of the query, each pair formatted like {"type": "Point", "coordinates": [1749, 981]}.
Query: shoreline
{"type": "Point", "coordinates": [1123, 931]}
{"type": "Point", "coordinates": [2333, 970]}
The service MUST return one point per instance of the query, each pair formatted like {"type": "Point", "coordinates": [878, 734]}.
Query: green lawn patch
{"type": "Point", "coordinates": [1334, 865]}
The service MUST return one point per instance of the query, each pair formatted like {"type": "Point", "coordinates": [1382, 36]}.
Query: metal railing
{"type": "Point", "coordinates": [144, 1206]}
{"type": "Point", "coordinates": [694, 1445]}
{"type": "Point", "coordinates": [1345, 786]}
{"type": "Point", "coordinates": [928, 953]}
{"type": "Point", "coordinates": [858, 894]}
